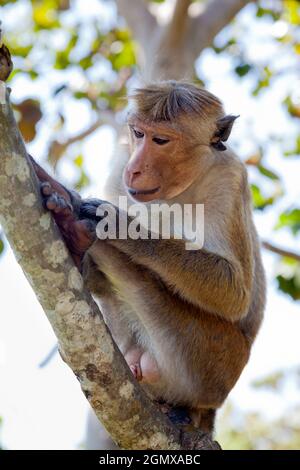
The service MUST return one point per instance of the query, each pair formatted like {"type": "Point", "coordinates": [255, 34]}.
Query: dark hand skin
{"type": "Point", "coordinates": [78, 232]}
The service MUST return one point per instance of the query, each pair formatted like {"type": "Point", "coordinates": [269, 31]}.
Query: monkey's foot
{"type": "Point", "coordinates": [177, 414]}
{"type": "Point", "coordinates": [79, 235]}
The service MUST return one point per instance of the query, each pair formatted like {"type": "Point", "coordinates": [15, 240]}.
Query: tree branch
{"type": "Point", "coordinates": [167, 43]}
{"type": "Point", "coordinates": [208, 24]}
{"type": "Point", "coordinates": [85, 343]}
{"type": "Point", "coordinates": [57, 149]}
{"type": "Point", "coordinates": [281, 251]}
{"type": "Point", "coordinates": [139, 19]}
{"type": "Point", "coordinates": [178, 24]}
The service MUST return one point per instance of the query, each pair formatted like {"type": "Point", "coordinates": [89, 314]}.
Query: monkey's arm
{"type": "Point", "coordinates": [205, 279]}
{"type": "Point", "coordinates": [217, 284]}
{"type": "Point", "coordinates": [210, 281]}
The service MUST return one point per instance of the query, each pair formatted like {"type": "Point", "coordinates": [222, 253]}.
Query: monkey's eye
{"type": "Point", "coordinates": [138, 134]}
{"type": "Point", "coordinates": [160, 141]}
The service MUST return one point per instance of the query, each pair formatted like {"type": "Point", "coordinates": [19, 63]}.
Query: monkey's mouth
{"type": "Point", "coordinates": [142, 192]}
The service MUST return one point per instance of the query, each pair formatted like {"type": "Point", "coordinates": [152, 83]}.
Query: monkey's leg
{"type": "Point", "coordinates": [140, 362]}
{"type": "Point", "coordinates": [198, 355]}
{"type": "Point", "coordinates": [112, 309]}
{"type": "Point", "coordinates": [126, 278]}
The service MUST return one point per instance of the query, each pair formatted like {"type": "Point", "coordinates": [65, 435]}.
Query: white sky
{"type": "Point", "coordinates": [44, 408]}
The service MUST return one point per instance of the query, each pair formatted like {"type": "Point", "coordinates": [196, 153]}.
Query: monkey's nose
{"type": "Point", "coordinates": [134, 175]}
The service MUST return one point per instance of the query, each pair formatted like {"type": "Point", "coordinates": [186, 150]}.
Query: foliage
{"type": "Point", "coordinates": [263, 72]}
{"type": "Point", "coordinates": [256, 432]}
{"type": "Point", "coordinates": [264, 430]}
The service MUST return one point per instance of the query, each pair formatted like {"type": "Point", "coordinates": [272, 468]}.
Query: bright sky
{"type": "Point", "coordinates": [44, 408]}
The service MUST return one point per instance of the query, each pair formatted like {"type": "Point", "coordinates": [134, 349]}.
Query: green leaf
{"type": "Point", "coordinates": [261, 12]}
{"type": "Point", "coordinates": [242, 69]}
{"type": "Point", "coordinates": [268, 173]}
{"type": "Point", "coordinates": [292, 11]}
{"type": "Point", "coordinates": [18, 50]}
{"type": "Point", "coordinates": [292, 108]}
{"type": "Point", "coordinates": [86, 62]}
{"type": "Point", "coordinates": [227, 45]}
{"type": "Point", "coordinates": [125, 58]}
{"type": "Point", "coordinates": [45, 14]}
{"type": "Point", "coordinates": [61, 60]}
{"type": "Point", "coordinates": [32, 73]}
{"type": "Point", "coordinates": [1, 246]}
{"type": "Point", "coordinates": [78, 161]}
{"type": "Point", "coordinates": [6, 2]}
{"type": "Point", "coordinates": [295, 150]}
{"type": "Point", "coordinates": [290, 286]}
{"type": "Point", "coordinates": [259, 200]}
{"type": "Point", "coordinates": [289, 219]}
{"type": "Point", "coordinates": [83, 181]}
{"type": "Point", "coordinates": [271, 381]}
{"type": "Point", "coordinates": [264, 81]}
{"type": "Point", "coordinates": [80, 94]}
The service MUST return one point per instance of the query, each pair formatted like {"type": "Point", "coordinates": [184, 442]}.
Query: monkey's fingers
{"type": "Point", "coordinates": [179, 416]}
{"type": "Point", "coordinates": [55, 202]}
{"type": "Point", "coordinates": [162, 405]}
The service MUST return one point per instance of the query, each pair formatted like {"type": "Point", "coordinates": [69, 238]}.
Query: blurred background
{"type": "Point", "coordinates": [74, 62]}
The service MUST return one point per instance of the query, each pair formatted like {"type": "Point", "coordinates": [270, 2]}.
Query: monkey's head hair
{"type": "Point", "coordinates": [169, 100]}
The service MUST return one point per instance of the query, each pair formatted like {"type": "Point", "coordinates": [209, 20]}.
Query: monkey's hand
{"type": "Point", "coordinates": [79, 234]}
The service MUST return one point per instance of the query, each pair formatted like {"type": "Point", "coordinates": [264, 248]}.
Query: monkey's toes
{"type": "Point", "coordinates": [179, 416]}
{"type": "Point", "coordinates": [53, 201]}
{"type": "Point", "coordinates": [162, 405]}
{"type": "Point", "coordinates": [46, 189]}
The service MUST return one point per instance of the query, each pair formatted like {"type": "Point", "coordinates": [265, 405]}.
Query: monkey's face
{"type": "Point", "coordinates": [159, 166]}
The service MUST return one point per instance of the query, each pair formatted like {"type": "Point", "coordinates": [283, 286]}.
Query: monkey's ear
{"type": "Point", "coordinates": [224, 127]}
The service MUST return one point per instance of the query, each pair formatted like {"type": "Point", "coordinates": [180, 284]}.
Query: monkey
{"type": "Point", "coordinates": [185, 320]}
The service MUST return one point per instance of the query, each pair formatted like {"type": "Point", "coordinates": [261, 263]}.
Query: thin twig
{"type": "Point", "coordinates": [281, 251]}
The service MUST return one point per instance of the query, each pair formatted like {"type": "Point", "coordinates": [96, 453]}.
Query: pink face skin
{"type": "Point", "coordinates": [159, 166]}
